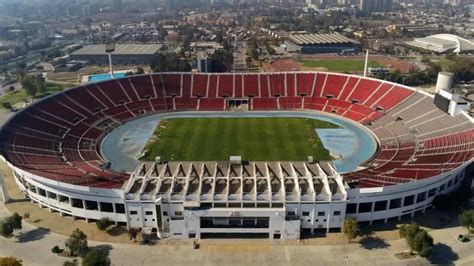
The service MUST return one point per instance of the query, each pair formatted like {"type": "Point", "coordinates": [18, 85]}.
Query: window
{"type": "Point", "coordinates": [92, 205]}
{"type": "Point", "coordinates": [165, 213]}
{"type": "Point", "coordinates": [380, 205]}
{"type": "Point", "coordinates": [421, 197]}
{"type": "Point", "coordinates": [432, 192]}
{"type": "Point", "coordinates": [395, 203]}
{"type": "Point", "coordinates": [321, 213]}
{"type": "Point", "coordinates": [305, 213]}
{"type": "Point", "coordinates": [77, 203]}
{"type": "Point", "coordinates": [450, 183]}
{"type": "Point", "coordinates": [291, 213]}
{"type": "Point", "coordinates": [119, 208]}
{"type": "Point", "coordinates": [106, 207]}
{"type": "Point", "coordinates": [337, 213]}
{"type": "Point", "coordinates": [148, 213]}
{"type": "Point", "coordinates": [178, 213]}
{"type": "Point", "coordinates": [409, 200]}
{"type": "Point", "coordinates": [365, 207]}
{"type": "Point", "coordinates": [351, 208]}
{"type": "Point", "coordinates": [442, 187]}
{"type": "Point", "coordinates": [133, 212]}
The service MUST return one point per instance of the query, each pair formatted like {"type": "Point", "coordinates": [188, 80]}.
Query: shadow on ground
{"type": "Point", "coordinates": [373, 242]}
{"type": "Point", "coordinates": [33, 235]}
{"type": "Point", "coordinates": [443, 254]}
{"type": "Point", "coordinates": [116, 230]}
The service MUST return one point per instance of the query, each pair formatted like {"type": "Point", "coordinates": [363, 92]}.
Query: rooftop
{"type": "Point", "coordinates": [302, 39]}
{"type": "Point", "coordinates": [120, 49]}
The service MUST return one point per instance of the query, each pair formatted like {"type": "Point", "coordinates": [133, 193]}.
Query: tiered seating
{"type": "Point", "coordinates": [58, 137]}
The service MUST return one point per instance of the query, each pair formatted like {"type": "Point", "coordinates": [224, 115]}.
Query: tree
{"type": "Point", "coordinates": [32, 84]}
{"type": "Point", "coordinates": [6, 229]}
{"type": "Point", "coordinates": [15, 221]}
{"type": "Point", "coordinates": [351, 228]}
{"type": "Point", "coordinates": [77, 243]}
{"type": "Point", "coordinates": [222, 60]}
{"type": "Point", "coordinates": [7, 105]}
{"type": "Point", "coordinates": [140, 71]}
{"type": "Point", "coordinates": [467, 220]}
{"type": "Point", "coordinates": [71, 263]}
{"type": "Point", "coordinates": [417, 239]}
{"type": "Point", "coordinates": [10, 261]}
{"type": "Point", "coordinates": [169, 63]}
{"type": "Point", "coordinates": [96, 257]}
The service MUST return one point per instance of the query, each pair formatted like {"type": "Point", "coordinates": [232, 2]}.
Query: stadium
{"type": "Point", "coordinates": [270, 155]}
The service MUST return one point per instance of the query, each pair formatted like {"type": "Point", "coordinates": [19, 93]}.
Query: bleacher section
{"type": "Point", "coordinates": [59, 137]}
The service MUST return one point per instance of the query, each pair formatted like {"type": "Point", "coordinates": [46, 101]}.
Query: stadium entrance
{"type": "Point", "coordinates": [235, 105]}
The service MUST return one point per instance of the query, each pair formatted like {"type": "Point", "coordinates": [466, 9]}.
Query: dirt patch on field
{"type": "Point", "coordinates": [285, 65]}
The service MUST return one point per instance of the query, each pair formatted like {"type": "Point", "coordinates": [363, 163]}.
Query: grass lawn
{"type": "Point", "coordinates": [258, 139]}
{"type": "Point", "coordinates": [341, 65]}
{"type": "Point", "coordinates": [18, 96]}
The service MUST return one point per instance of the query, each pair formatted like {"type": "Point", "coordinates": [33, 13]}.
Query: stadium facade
{"type": "Point", "coordinates": [53, 149]}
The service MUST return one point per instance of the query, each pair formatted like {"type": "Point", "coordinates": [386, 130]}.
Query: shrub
{"type": "Point", "coordinates": [467, 220]}
{"type": "Point", "coordinates": [96, 258]}
{"type": "Point", "coordinates": [56, 250]}
{"type": "Point", "coordinates": [103, 223]}
{"type": "Point", "coordinates": [10, 261]}
{"type": "Point", "coordinates": [71, 263]}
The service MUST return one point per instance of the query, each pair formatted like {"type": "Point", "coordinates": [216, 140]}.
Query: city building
{"type": "Point", "coordinates": [137, 54]}
{"type": "Point", "coordinates": [368, 6]}
{"type": "Point", "coordinates": [204, 64]}
{"type": "Point", "coordinates": [443, 43]}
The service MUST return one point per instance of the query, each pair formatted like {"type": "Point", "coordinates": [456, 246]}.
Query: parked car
{"type": "Point", "coordinates": [463, 238]}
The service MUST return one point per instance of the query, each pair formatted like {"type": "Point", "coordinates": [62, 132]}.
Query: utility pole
{"type": "Point", "coordinates": [366, 62]}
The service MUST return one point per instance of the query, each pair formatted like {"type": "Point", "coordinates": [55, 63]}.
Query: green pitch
{"type": "Point", "coordinates": [257, 139]}
{"type": "Point", "coordinates": [341, 65]}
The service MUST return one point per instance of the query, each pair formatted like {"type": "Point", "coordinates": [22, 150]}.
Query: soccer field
{"type": "Point", "coordinates": [257, 139]}
{"type": "Point", "coordinates": [341, 65]}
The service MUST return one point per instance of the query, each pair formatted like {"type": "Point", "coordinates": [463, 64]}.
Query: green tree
{"type": "Point", "coordinates": [77, 243]}
{"type": "Point", "coordinates": [169, 63]}
{"type": "Point", "coordinates": [71, 263]}
{"type": "Point", "coordinates": [6, 229]}
{"type": "Point", "coordinates": [467, 220]}
{"type": "Point", "coordinates": [463, 69]}
{"type": "Point", "coordinates": [10, 261]}
{"type": "Point", "coordinates": [15, 221]}
{"type": "Point", "coordinates": [32, 84]}
{"type": "Point", "coordinates": [96, 257]}
{"type": "Point", "coordinates": [351, 228]}
{"type": "Point", "coordinates": [222, 60]}
{"type": "Point", "coordinates": [140, 71]}
{"type": "Point", "coordinates": [417, 239]}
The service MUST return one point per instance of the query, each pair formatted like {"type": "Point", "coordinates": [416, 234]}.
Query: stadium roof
{"type": "Point", "coordinates": [331, 38]}
{"type": "Point", "coordinates": [442, 43]}
{"type": "Point", "coordinates": [120, 49]}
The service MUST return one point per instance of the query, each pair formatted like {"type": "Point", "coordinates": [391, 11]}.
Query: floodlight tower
{"type": "Point", "coordinates": [366, 62]}
{"type": "Point", "coordinates": [109, 48]}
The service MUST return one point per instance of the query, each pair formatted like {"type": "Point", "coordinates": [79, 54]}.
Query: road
{"type": "Point", "coordinates": [240, 48]}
